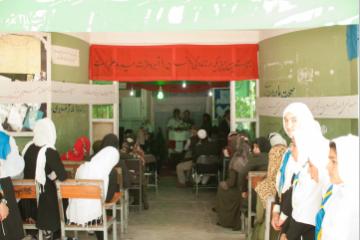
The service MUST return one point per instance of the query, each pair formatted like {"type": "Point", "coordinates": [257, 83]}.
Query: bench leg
{"type": "Point", "coordinates": [126, 210]}
{"type": "Point", "coordinates": [196, 185]}
{"type": "Point", "coordinates": [156, 183]}
{"type": "Point", "coordinates": [106, 235]}
{"type": "Point", "coordinates": [40, 235]}
{"type": "Point", "coordinates": [114, 225]}
{"type": "Point", "coordinates": [122, 214]}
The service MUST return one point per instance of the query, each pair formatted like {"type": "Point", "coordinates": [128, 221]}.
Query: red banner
{"type": "Point", "coordinates": [173, 62]}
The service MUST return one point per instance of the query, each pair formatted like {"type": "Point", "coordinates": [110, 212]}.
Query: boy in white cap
{"type": "Point", "coordinates": [204, 147]}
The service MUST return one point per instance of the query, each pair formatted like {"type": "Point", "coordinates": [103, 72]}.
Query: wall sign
{"type": "Point", "coordinates": [321, 107]}
{"type": "Point", "coordinates": [65, 56]}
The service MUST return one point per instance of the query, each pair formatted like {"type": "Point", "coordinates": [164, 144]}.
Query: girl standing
{"type": "Point", "coordinates": [338, 217]}
{"type": "Point", "coordinates": [42, 163]}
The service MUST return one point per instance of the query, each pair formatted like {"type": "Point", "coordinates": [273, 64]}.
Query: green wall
{"type": "Point", "coordinates": [308, 63]}
{"type": "Point", "coordinates": [22, 141]}
{"type": "Point", "coordinates": [66, 73]}
{"type": "Point", "coordinates": [71, 120]}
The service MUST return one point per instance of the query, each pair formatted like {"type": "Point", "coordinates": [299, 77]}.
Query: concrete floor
{"type": "Point", "coordinates": [176, 214]}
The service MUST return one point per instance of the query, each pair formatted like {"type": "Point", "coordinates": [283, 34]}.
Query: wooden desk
{"type": "Point", "coordinates": [71, 167]}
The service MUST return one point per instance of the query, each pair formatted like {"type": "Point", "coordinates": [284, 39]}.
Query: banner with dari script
{"type": "Point", "coordinates": [173, 62]}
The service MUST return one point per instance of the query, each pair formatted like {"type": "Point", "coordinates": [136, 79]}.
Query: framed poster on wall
{"type": "Point", "coordinates": [221, 102]}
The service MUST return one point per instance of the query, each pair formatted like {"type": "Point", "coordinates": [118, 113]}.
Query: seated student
{"type": "Point", "coordinates": [11, 165]}
{"type": "Point", "coordinates": [257, 161]}
{"type": "Point", "coordinates": [159, 149]}
{"type": "Point", "coordinates": [224, 128]}
{"type": "Point", "coordinates": [113, 141]}
{"type": "Point", "coordinates": [130, 149]}
{"type": "Point", "coordinates": [101, 167]}
{"type": "Point", "coordinates": [228, 198]}
{"type": "Point", "coordinates": [80, 150]}
{"type": "Point", "coordinates": [266, 188]}
{"type": "Point", "coordinates": [187, 163]}
{"type": "Point", "coordinates": [96, 148]}
{"type": "Point", "coordinates": [141, 137]}
{"type": "Point", "coordinates": [128, 133]}
{"type": "Point", "coordinates": [206, 123]}
{"type": "Point", "coordinates": [42, 163]}
{"type": "Point", "coordinates": [204, 147]}
{"type": "Point", "coordinates": [338, 216]}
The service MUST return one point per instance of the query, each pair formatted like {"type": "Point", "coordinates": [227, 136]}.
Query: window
{"type": "Point", "coordinates": [245, 97]}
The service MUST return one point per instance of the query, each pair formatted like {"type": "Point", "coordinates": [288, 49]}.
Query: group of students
{"type": "Point", "coordinates": [232, 193]}
{"type": "Point", "coordinates": [41, 161]}
{"type": "Point", "coordinates": [185, 122]}
{"type": "Point", "coordinates": [244, 157]}
{"type": "Point", "coordinates": [315, 182]}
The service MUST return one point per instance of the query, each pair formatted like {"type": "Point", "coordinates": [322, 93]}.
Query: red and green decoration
{"type": "Point", "coordinates": [177, 86]}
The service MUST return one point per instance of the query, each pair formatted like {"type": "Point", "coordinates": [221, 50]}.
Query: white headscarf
{"type": "Point", "coordinates": [341, 219]}
{"type": "Point", "coordinates": [82, 211]}
{"type": "Point", "coordinates": [201, 134]}
{"type": "Point", "coordinates": [275, 139]}
{"type": "Point", "coordinates": [301, 112]}
{"type": "Point", "coordinates": [309, 140]}
{"type": "Point", "coordinates": [44, 137]}
{"type": "Point", "coordinates": [303, 116]}
{"type": "Point", "coordinates": [14, 164]}
{"type": "Point", "coordinates": [311, 146]}
{"type": "Point", "coordinates": [347, 151]}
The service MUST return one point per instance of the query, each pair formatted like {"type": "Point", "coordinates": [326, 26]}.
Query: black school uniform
{"type": "Point", "coordinates": [12, 225]}
{"type": "Point", "coordinates": [47, 213]}
{"type": "Point", "coordinates": [285, 207]}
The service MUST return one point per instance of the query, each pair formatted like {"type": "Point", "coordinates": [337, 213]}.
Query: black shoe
{"type": "Point", "coordinates": [213, 209]}
{"type": "Point", "coordinates": [146, 206]}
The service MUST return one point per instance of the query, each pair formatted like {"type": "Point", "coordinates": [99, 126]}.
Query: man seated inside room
{"type": "Point", "coordinates": [206, 147]}
{"type": "Point", "coordinates": [145, 136]}
{"type": "Point", "coordinates": [186, 164]}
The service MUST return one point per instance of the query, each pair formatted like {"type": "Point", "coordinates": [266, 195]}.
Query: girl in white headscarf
{"type": "Point", "coordinates": [312, 150]}
{"type": "Point", "coordinates": [100, 167]}
{"type": "Point", "coordinates": [11, 165]}
{"type": "Point", "coordinates": [84, 211]}
{"type": "Point", "coordinates": [283, 207]}
{"type": "Point", "coordinates": [338, 217]}
{"type": "Point", "coordinates": [42, 163]}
